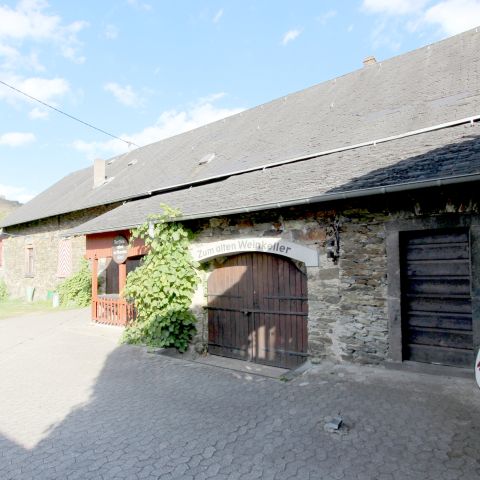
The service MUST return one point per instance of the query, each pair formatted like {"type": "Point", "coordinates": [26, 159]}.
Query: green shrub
{"type": "Point", "coordinates": [162, 287]}
{"type": "Point", "coordinates": [3, 291]}
{"type": "Point", "coordinates": [77, 290]}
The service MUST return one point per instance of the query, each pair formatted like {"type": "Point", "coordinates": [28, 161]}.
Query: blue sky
{"type": "Point", "coordinates": [145, 70]}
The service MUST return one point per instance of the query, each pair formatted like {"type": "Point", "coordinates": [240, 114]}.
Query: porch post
{"type": "Point", "coordinates": [122, 280]}
{"type": "Point", "coordinates": [122, 277]}
{"type": "Point", "coordinates": [94, 286]}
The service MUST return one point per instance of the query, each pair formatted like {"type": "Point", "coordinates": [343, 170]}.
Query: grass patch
{"type": "Point", "coordinates": [16, 307]}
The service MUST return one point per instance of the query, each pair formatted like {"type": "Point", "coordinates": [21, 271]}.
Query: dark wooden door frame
{"type": "Point", "coordinates": [437, 297]}
{"type": "Point", "coordinates": [394, 292]}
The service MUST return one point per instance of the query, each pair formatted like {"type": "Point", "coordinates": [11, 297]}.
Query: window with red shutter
{"type": "Point", "coordinates": [64, 266]}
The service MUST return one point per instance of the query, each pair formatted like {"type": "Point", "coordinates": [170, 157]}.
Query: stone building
{"type": "Point", "coordinates": [6, 206]}
{"type": "Point", "coordinates": [338, 222]}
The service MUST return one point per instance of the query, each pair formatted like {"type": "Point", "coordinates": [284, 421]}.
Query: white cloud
{"type": "Point", "coordinates": [38, 113]}
{"type": "Point", "coordinates": [213, 97]}
{"type": "Point", "coordinates": [290, 36]}
{"type": "Point", "coordinates": [111, 32]}
{"type": "Point", "coordinates": [169, 123]}
{"type": "Point", "coordinates": [21, 194]}
{"type": "Point", "coordinates": [397, 16]}
{"type": "Point", "coordinates": [140, 5]}
{"type": "Point", "coordinates": [10, 55]}
{"type": "Point", "coordinates": [46, 89]}
{"type": "Point", "coordinates": [27, 21]}
{"type": "Point", "coordinates": [30, 21]}
{"type": "Point", "coordinates": [16, 139]}
{"type": "Point", "coordinates": [12, 59]}
{"type": "Point", "coordinates": [393, 7]}
{"type": "Point", "coordinates": [386, 33]}
{"type": "Point", "coordinates": [124, 94]}
{"type": "Point", "coordinates": [216, 18]}
{"type": "Point", "coordinates": [454, 16]}
{"type": "Point", "coordinates": [325, 17]}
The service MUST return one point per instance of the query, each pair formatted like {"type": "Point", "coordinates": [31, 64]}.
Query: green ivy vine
{"type": "Point", "coordinates": [3, 291]}
{"type": "Point", "coordinates": [162, 287]}
{"type": "Point", "coordinates": [77, 289]}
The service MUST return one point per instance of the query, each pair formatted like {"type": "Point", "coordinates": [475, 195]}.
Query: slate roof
{"type": "Point", "coordinates": [426, 87]}
{"type": "Point", "coordinates": [442, 154]}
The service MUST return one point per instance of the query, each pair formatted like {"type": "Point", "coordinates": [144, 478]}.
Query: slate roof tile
{"type": "Point", "coordinates": [428, 156]}
{"type": "Point", "coordinates": [426, 87]}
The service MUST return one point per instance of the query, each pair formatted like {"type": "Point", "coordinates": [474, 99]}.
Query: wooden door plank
{"type": "Point", "coordinates": [438, 238]}
{"type": "Point", "coordinates": [443, 356]}
{"type": "Point", "coordinates": [440, 286]}
{"type": "Point", "coordinates": [440, 337]}
{"type": "Point", "coordinates": [455, 321]}
{"type": "Point", "coordinates": [436, 297]}
{"type": "Point", "coordinates": [438, 267]}
{"type": "Point", "coordinates": [275, 291]}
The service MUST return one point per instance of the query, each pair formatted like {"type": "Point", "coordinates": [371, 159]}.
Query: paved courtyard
{"type": "Point", "coordinates": [74, 404]}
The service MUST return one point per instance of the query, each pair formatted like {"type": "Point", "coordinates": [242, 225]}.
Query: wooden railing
{"type": "Point", "coordinates": [113, 311]}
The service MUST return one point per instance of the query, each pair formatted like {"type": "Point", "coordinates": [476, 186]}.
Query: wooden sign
{"type": "Point", "coordinates": [277, 246]}
{"type": "Point", "coordinates": [119, 249]}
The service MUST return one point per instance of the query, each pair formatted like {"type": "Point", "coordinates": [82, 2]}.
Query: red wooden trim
{"type": "Point", "coordinates": [100, 245]}
{"type": "Point", "coordinates": [94, 287]}
{"type": "Point", "coordinates": [112, 311]}
{"type": "Point", "coordinates": [122, 277]}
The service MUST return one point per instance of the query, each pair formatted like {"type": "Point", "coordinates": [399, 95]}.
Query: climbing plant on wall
{"type": "Point", "coordinates": [3, 291]}
{"type": "Point", "coordinates": [77, 289]}
{"type": "Point", "coordinates": [162, 287]}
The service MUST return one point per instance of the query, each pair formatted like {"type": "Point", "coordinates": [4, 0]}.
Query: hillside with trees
{"type": "Point", "coordinates": [6, 206]}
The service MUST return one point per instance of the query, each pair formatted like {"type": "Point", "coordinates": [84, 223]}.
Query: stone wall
{"type": "Point", "coordinates": [347, 308]}
{"type": "Point", "coordinates": [348, 318]}
{"type": "Point", "coordinates": [43, 236]}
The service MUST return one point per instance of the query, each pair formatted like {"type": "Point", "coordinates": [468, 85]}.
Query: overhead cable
{"type": "Point", "coordinates": [128, 142]}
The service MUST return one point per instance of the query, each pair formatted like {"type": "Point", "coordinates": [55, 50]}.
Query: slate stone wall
{"type": "Point", "coordinates": [348, 318]}
{"type": "Point", "coordinates": [43, 236]}
{"type": "Point", "coordinates": [347, 296]}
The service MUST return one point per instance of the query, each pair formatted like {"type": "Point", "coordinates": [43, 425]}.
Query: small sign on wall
{"type": "Point", "coordinates": [277, 246]}
{"type": "Point", "coordinates": [119, 249]}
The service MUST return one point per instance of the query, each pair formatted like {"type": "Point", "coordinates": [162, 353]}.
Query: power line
{"type": "Point", "coordinates": [68, 115]}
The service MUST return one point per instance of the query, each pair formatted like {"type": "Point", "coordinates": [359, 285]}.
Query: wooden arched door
{"type": "Point", "coordinates": [257, 310]}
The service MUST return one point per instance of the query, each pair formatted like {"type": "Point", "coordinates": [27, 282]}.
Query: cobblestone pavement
{"type": "Point", "coordinates": [76, 405]}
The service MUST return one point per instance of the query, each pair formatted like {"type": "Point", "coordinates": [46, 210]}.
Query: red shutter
{"type": "Point", "coordinates": [64, 268]}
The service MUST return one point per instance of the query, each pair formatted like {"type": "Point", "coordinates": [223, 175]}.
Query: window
{"type": "Point", "coordinates": [64, 265]}
{"type": "Point", "coordinates": [29, 262]}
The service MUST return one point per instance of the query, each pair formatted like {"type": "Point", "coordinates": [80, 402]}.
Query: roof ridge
{"type": "Point", "coordinates": [296, 92]}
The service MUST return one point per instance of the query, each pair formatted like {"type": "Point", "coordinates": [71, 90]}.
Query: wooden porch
{"type": "Point", "coordinates": [111, 308]}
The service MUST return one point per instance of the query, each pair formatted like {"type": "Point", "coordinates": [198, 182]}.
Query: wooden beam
{"type": "Point", "coordinates": [122, 277]}
{"type": "Point", "coordinates": [94, 286]}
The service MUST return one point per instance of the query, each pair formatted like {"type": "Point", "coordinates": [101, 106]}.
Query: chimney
{"type": "Point", "coordinates": [98, 172]}
{"type": "Point", "coordinates": [370, 60]}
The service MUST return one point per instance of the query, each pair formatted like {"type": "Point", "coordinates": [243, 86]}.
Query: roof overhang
{"type": "Point", "coordinates": [95, 225]}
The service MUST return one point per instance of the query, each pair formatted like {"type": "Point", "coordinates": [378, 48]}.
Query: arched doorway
{"type": "Point", "coordinates": [257, 310]}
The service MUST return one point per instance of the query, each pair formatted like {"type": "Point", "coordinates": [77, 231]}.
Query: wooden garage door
{"type": "Point", "coordinates": [257, 310]}
{"type": "Point", "coordinates": [437, 307]}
